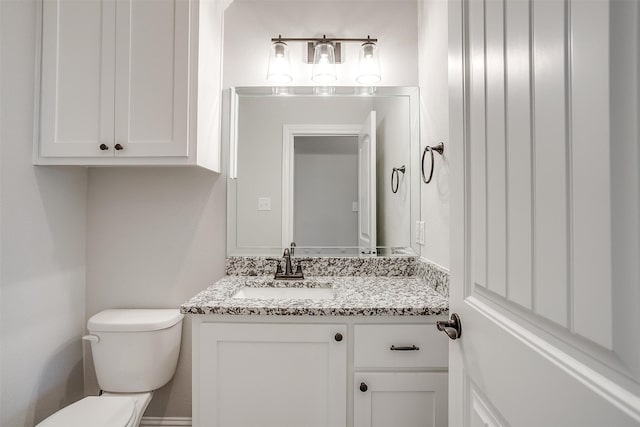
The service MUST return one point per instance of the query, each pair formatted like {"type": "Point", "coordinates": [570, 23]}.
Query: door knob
{"type": "Point", "coordinates": [451, 327]}
{"type": "Point", "coordinates": [338, 337]}
{"type": "Point", "coordinates": [363, 387]}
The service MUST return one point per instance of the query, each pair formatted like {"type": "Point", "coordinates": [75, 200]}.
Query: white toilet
{"type": "Point", "coordinates": [135, 351]}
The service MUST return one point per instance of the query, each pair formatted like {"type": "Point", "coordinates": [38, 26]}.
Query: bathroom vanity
{"type": "Point", "coordinates": [366, 353]}
{"type": "Point", "coordinates": [354, 343]}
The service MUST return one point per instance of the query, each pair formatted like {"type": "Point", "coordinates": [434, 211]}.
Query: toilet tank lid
{"type": "Point", "coordinates": [134, 320]}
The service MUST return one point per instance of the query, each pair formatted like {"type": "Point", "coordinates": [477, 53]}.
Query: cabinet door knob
{"type": "Point", "coordinates": [118, 147]}
{"type": "Point", "coordinates": [104, 147]}
{"type": "Point", "coordinates": [338, 337]}
{"type": "Point", "coordinates": [364, 387]}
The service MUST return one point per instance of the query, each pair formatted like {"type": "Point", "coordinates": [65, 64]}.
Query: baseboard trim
{"type": "Point", "coordinates": [166, 421]}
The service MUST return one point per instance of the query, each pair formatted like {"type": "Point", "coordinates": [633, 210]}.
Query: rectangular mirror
{"type": "Point", "coordinates": [338, 175]}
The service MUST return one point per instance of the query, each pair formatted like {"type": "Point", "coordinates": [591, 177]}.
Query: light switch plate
{"type": "Point", "coordinates": [264, 203]}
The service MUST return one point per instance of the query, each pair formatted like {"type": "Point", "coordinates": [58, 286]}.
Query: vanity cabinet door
{"type": "Point", "coordinates": [262, 375]}
{"type": "Point", "coordinates": [407, 399]}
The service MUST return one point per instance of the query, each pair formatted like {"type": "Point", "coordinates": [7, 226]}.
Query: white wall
{"type": "Point", "coordinates": [393, 138]}
{"type": "Point", "coordinates": [434, 126]}
{"type": "Point", "coordinates": [250, 25]}
{"type": "Point", "coordinates": [43, 228]}
{"type": "Point", "coordinates": [325, 187]}
{"type": "Point", "coordinates": [156, 238]}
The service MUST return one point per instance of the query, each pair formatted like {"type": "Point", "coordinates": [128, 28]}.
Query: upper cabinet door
{"type": "Point", "coordinates": [76, 92]}
{"type": "Point", "coordinates": [152, 78]}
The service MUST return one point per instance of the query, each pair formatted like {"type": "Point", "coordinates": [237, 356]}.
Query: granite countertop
{"type": "Point", "coordinates": [354, 296]}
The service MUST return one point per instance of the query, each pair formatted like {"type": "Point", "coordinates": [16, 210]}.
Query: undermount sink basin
{"type": "Point", "coordinates": [277, 289]}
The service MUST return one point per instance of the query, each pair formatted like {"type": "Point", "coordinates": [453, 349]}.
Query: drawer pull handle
{"type": "Point", "coordinates": [363, 387]}
{"type": "Point", "coordinates": [404, 348]}
{"type": "Point", "coordinates": [338, 337]}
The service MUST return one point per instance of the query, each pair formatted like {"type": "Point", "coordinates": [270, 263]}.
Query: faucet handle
{"type": "Point", "coordinates": [299, 273]}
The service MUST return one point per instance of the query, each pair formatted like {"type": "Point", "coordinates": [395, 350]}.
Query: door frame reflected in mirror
{"type": "Point", "coordinates": [289, 133]}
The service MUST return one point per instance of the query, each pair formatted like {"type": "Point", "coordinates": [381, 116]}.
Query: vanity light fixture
{"type": "Point", "coordinates": [279, 71]}
{"type": "Point", "coordinates": [369, 65]}
{"type": "Point", "coordinates": [324, 53]}
{"type": "Point", "coordinates": [324, 63]}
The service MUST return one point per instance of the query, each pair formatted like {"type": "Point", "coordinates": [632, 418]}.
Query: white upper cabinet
{"type": "Point", "coordinates": [152, 77]}
{"type": "Point", "coordinates": [121, 82]}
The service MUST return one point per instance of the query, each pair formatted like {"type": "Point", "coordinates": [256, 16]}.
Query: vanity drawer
{"type": "Point", "coordinates": [373, 346]}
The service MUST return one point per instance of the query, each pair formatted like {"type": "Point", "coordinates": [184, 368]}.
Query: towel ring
{"type": "Point", "coordinates": [396, 172]}
{"type": "Point", "coordinates": [440, 149]}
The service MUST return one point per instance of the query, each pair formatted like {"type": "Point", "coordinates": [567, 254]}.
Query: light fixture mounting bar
{"type": "Point", "coordinates": [321, 39]}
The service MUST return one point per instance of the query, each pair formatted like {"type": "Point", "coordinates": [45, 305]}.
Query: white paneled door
{"type": "Point", "coordinates": [546, 212]}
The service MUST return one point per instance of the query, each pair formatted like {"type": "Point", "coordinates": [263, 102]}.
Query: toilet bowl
{"type": "Point", "coordinates": [135, 351]}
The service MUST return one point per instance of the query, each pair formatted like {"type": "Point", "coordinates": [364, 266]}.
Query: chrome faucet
{"type": "Point", "coordinates": [288, 269]}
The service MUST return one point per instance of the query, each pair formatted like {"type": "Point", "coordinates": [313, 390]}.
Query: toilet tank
{"type": "Point", "coordinates": [135, 350]}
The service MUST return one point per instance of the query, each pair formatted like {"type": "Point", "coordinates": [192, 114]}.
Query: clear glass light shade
{"type": "Point", "coordinates": [279, 71]}
{"type": "Point", "coordinates": [324, 64]}
{"type": "Point", "coordinates": [369, 66]}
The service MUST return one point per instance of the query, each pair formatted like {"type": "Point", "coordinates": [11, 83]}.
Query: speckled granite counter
{"type": "Point", "coordinates": [354, 296]}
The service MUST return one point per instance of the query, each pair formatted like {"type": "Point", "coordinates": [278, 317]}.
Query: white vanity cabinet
{"type": "Point", "coordinates": [130, 82]}
{"type": "Point", "coordinates": [400, 376]}
{"type": "Point", "coordinates": [262, 375]}
{"type": "Point", "coordinates": [292, 371]}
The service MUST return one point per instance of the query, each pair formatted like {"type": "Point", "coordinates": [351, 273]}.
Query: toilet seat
{"type": "Point", "coordinates": [95, 411]}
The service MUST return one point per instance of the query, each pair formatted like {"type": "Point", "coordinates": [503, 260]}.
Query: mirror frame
{"type": "Point", "coordinates": [230, 136]}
